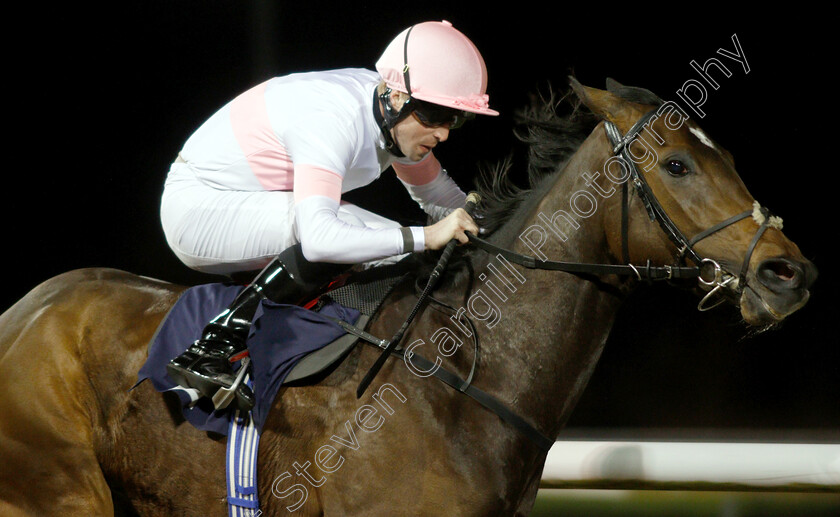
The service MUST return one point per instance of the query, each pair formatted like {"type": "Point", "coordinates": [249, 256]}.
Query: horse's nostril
{"type": "Point", "coordinates": [780, 273]}
{"type": "Point", "coordinates": [783, 271]}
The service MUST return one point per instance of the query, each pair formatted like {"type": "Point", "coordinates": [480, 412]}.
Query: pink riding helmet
{"type": "Point", "coordinates": [441, 65]}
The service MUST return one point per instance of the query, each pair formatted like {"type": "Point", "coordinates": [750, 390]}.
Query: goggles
{"type": "Point", "coordinates": [433, 115]}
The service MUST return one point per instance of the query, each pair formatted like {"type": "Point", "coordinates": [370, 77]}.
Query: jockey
{"type": "Point", "coordinates": [258, 186]}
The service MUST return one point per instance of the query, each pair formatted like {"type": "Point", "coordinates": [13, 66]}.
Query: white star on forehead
{"type": "Point", "coordinates": [701, 136]}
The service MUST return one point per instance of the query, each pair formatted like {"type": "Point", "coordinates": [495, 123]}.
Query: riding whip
{"type": "Point", "coordinates": [472, 200]}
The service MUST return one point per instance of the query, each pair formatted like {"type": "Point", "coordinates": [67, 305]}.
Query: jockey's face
{"type": "Point", "coordinates": [414, 138]}
{"type": "Point", "coordinates": [417, 140]}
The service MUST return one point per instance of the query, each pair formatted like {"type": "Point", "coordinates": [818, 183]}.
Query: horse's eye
{"type": "Point", "coordinates": [676, 168]}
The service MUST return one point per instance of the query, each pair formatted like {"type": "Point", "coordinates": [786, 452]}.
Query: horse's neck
{"type": "Point", "coordinates": [540, 354]}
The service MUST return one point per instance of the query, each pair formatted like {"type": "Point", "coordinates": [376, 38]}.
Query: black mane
{"type": "Point", "coordinates": [552, 128]}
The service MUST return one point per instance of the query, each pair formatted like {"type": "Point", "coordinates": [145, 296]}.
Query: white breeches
{"type": "Point", "coordinates": [226, 231]}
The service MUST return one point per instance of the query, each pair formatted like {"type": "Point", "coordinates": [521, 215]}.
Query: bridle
{"type": "Point", "coordinates": [720, 278]}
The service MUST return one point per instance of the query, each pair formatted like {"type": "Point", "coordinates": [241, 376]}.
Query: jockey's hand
{"type": "Point", "coordinates": [450, 227]}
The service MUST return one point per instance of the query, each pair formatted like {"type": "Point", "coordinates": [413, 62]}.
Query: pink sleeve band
{"type": "Point", "coordinates": [420, 173]}
{"type": "Point", "coordinates": [314, 181]}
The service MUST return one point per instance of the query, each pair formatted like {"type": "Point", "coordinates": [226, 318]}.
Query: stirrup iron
{"type": "Point", "coordinates": [223, 396]}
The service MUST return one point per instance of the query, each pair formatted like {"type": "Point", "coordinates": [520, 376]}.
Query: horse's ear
{"type": "Point", "coordinates": [606, 105]}
{"type": "Point", "coordinates": [633, 93]}
{"type": "Point", "coordinates": [613, 85]}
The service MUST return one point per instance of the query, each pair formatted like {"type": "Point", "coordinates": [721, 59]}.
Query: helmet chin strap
{"type": "Point", "coordinates": [386, 122]}
{"type": "Point", "coordinates": [392, 115]}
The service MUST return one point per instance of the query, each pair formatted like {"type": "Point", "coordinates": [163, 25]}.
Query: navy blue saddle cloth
{"type": "Point", "coordinates": [280, 337]}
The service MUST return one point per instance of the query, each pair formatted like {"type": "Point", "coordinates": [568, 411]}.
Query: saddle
{"type": "Point", "coordinates": [288, 345]}
{"type": "Point", "coordinates": [363, 291]}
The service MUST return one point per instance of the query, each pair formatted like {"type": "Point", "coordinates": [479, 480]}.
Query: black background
{"type": "Point", "coordinates": [102, 99]}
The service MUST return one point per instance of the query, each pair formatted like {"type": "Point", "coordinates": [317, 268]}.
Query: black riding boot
{"type": "Point", "coordinates": [206, 365]}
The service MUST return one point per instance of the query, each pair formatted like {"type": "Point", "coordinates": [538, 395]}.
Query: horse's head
{"type": "Point", "coordinates": [689, 202]}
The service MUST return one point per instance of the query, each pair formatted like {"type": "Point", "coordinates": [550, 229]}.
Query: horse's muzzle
{"type": "Point", "coordinates": [779, 287]}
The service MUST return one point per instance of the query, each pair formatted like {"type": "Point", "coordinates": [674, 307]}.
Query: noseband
{"type": "Point", "coordinates": [720, 278]}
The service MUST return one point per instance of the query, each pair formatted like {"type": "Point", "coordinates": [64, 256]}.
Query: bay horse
{"type": "Point", "coordinates": [75, 440]}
